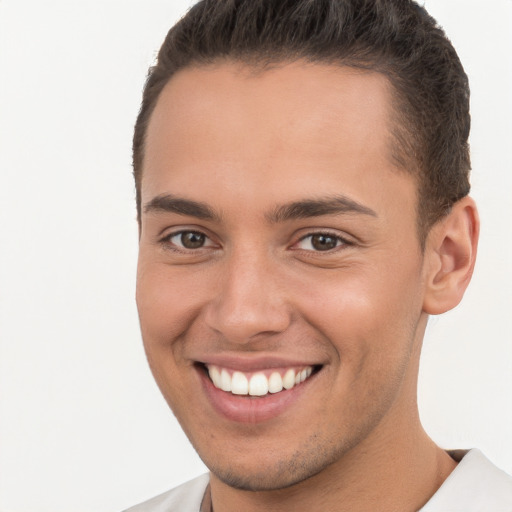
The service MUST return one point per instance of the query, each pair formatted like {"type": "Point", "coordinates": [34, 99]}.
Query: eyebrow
{"type": "Point", "coordinates": [172, 204]}
{"type": "Point", "coordinates": [304, 209]}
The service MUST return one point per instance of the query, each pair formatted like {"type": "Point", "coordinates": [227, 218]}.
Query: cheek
{"type": "Point", "coordinates": [369, 322]}
{"type": "Point", "coordinates": [166, 302]}
{"type": "Point", "coordinates": [165, 312]}
{"type": "Point", "coordinates": [368, 312]}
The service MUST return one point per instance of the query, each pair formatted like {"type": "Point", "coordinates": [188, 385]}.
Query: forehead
{"type": "Point", "coordinates": [292, 101]}
{"type": "Point", "coordinates": [281, 130]}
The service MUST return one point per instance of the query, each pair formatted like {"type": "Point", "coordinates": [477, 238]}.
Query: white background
{"type": "Point", "coordinates": [82, 425]}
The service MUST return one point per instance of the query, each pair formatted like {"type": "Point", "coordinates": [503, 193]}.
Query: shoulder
{"type": "Point", "coordinates": [476, 485]}
{"type": "Point", "coordinates": [184, 498]}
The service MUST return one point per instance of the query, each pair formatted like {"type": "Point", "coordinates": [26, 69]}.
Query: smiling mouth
{"type": "Point", "coordinates": [258, 383]}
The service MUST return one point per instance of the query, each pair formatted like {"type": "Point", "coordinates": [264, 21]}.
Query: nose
{"type": "Point", "coordinates": [250, 302]}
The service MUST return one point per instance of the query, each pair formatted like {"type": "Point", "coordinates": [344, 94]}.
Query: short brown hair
{"type": "Point", "coordinates": [397, 38]}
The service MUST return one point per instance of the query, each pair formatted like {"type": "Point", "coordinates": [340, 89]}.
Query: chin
{"type": "Point", "coordinates": [264, 479]}
{"type": "Point", "coordinates": [248, 474]}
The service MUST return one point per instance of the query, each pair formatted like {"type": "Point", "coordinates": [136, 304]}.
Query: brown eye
{"type": "Point", "coordinates": [186, 242]}
{"type": "Point", "coordinates": [323, 242]}
{"type": "Point", "coordinates": [192, 239]}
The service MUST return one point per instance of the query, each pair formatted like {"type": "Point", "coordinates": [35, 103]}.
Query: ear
{"type": "Point", "coordinates": [450, 257]}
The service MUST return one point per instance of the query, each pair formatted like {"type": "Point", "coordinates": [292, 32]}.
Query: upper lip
{"type": "Point", "coordinates": [254, 363]}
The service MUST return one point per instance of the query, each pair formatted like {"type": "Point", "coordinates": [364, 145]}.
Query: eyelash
{"type": "Point", "coordinates": [166, 240]}
{"type": "Point", "coordinates": [340, 241]}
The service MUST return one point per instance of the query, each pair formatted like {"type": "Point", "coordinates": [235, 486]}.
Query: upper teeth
{"type": "Point", "coordinates": [257, 384]}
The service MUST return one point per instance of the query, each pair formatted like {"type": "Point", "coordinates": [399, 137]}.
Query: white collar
{"type": "Point", "coordinates": [475, 485]}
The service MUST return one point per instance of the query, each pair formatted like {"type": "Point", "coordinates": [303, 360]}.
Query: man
{"type": "Point", "coordinates": [302, 190]}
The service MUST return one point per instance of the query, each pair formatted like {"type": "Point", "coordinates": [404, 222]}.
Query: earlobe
{"type": "Point", "coordinates": [450, 257]}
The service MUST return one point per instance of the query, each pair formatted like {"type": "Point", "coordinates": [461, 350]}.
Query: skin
{"type": "Point", "coordinates": [244, 143]}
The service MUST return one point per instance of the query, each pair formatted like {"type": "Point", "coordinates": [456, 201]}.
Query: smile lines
{"type": "Point", "coordinates": [256, 384]}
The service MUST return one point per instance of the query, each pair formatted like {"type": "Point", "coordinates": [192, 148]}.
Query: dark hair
{"type": "Point", "coordinates": [397, 38]}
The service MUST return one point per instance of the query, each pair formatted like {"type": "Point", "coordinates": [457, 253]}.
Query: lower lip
{"type": "Point", "coordinates": [248, 409]}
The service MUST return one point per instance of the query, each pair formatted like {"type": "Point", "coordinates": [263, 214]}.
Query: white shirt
{"type": "Point", "coordinates": [475, 485]}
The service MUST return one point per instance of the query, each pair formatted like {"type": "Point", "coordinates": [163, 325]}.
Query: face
{"type": "Point", "coordinates": [280, 275]}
